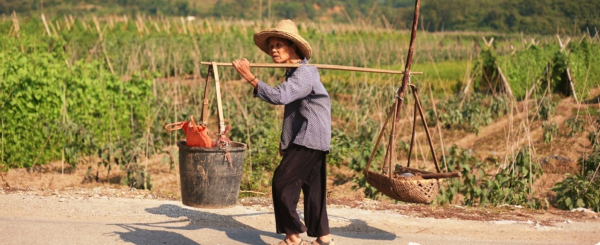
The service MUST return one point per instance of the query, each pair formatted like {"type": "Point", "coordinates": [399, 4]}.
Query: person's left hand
{"type": "Point", "coordinates": [243, 67]}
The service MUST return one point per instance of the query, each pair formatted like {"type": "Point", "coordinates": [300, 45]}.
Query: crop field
{"type": "Point", "coordinates": [96, 91]}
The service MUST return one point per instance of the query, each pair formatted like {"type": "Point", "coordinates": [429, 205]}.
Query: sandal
{"type": "Point", "coordinates": [302, 242]}
{"type": "Point", "coordinates": [320, 242]}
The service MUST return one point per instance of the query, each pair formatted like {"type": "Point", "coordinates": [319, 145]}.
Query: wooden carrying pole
{"type": "Point", "coordinates": [214, 71]}
{"type": "Point", "coordinates": [401, 91]}
{"type": "Point", "coordinates": [319, 66]}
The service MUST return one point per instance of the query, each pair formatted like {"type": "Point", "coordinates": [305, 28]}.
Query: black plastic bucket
{"type": "Point", "coordinates": [208, 180]}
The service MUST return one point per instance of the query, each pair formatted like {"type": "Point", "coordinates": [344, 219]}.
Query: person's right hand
{"type": "Point", "coordinates": [243, 67]}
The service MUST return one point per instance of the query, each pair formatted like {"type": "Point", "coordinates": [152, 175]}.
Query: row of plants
{"type": "Point", "coordinates": [541, 66]}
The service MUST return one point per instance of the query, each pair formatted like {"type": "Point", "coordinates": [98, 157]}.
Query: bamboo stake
{"type": "Point", "coordinates": [572, 85]}
{"type": "Point", "coordinates": [85, 27]}
{"type": "Point", "coordinates": [505, 84]}
{"type": "Point", "coordinates": [156, 26]}
{"type": "Point", "coordinates": [67, 24]}
{"type": "Point", "coordinates": [107, 59]}
{"type": "Point", "coordinates": [439, 128]}
{"type": "Point", "coordinates": [319, 66]}
{"type": "Point", "coordinates": [185, 31]}
{"type": "Point", "coordinates": [16, 24]}
{"type": "Point", "coordinates": [112, 22]}
{"type": "Point", "coordinates": [46, 25]}
{"type": "Point", "coordinates": [97, 26]}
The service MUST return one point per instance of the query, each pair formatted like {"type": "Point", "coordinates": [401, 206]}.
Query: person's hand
{"type": "Point", "coordinates": [243, 67]}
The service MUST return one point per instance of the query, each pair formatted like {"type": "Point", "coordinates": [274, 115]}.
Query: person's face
{"type": "Point", "coordinates": [280, 50]}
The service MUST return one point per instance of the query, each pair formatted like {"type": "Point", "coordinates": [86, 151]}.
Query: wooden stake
{"type": "Point", "coordinates": [107, 59]}
{"type": "Point", "coordinates": [488, 43]}
{"type": "Point", "coordinates": [67, 24]}
{"type": "Point", "coordinates": [53, 29]}
{"type": "Point", "coordinates": [97, 26]}
{"type": "Point", "coordinates": [16, 24]}
{"type": "Point", "coordinates": [46, 25]}
{"type": "Point", "coordinates": [156, 26]}
{"type": "Point", "coordinates": [185, 31]}
{"type": "Point", "coordinates": [439, 127]}
{"type": "Point", "coordinates": [572, 85]}
{"type": "Point", "coordinates": [505, 84]}
{"type": "Point", "coordinates": [85, 27]}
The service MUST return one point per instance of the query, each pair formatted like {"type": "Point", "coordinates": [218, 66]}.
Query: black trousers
{"type": "Point", "coordinates": [301, 169]}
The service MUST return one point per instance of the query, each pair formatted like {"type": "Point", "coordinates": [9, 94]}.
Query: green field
{"type": "Point", "coordinates": [101, 88]}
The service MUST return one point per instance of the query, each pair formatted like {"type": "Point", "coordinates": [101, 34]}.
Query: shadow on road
{"type": "Point", "coordinates": [137, 235]}
{"type": "Point", "coordinates": [359, 229]}
{"type": "Point", "coordinates": [234, 229]}
{"type": "Point", "coordinates": [196, 220]}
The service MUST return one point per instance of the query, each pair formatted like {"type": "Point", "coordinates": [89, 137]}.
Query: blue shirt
{"type": "Point", "coordinates": [307, 114]}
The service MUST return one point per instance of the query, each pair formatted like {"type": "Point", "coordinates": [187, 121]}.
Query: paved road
{"type": "Point", "coordinates": [31, 219]}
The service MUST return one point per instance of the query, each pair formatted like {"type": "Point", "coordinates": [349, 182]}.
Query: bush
{"type": "Point", "coordinates": [577, 191]}
{"type": "Point", "coordinates": [581, 190]}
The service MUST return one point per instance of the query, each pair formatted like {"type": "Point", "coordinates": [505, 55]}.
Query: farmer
{"type": "Point", "coordinates": [305, 136]}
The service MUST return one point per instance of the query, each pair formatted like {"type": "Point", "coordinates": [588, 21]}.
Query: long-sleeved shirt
{"type": "Point", "coordinates": [307, 114]}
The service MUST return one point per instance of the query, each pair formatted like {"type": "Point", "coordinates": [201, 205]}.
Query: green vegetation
{"type": "Point", "coordinates": [550, 131]}
{"type": "Point", "coordinates": [581, 190]}
{"type": "Point", "coordinates": [491, 183]}
{"type": "Point", "coordinates": [100, 89]}
{"type": "Point", "coordinates": [468, 113]}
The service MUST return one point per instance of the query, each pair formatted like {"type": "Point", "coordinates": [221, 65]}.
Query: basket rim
{"type": "Point", "coordinates": [405, 180]}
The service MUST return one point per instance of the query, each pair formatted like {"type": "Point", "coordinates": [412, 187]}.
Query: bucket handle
{"type": "Point", "coordinates": [174, 126]}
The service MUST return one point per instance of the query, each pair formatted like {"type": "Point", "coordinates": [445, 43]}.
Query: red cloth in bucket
{"type": "Point", "coordinates": [196, 135]}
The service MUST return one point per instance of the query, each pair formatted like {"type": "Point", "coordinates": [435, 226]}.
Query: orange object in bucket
{"type": "Point", "coordinates": [196, 135]}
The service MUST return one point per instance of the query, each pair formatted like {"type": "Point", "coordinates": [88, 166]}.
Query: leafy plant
{"type": "Point", "coordinates": [546, 108]}
{"type": "Point", "coordinates": [576, 124]}
{"type": "Point", "coordinates": [578, 191]}
{"type": "Point", "coordinates": [550, 131]}
{"type": "Point", "coordinates": [468, 186]}
{"type": "Point", "coordinates": [581, 190]}
{"type": "Point", "coordinates": [593, 137]}
{"type": "Point", "coordinates": [589, 164]}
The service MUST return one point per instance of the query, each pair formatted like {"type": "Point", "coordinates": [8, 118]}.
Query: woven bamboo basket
{"type": "Point", "coordinates": [423, 186]}
{"type": "Point", "coordinates": [415, 190]}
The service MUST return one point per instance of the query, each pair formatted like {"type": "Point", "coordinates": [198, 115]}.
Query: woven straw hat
{"type": "Point", "coordinates": [285, 29]}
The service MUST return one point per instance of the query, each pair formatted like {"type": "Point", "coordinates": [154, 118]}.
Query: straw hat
{"type": "Point", "coordinates": [285, 29]}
